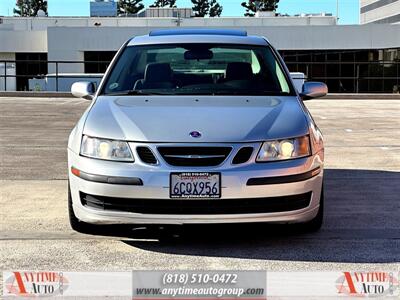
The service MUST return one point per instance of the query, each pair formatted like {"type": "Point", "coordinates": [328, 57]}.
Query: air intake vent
{"type": "Point", "coordinates": [194, 156]}
{"type": "Point", "coordinates": [243, 155]}
{"type": "Point", "coordinates": [196, 206]}
{"type": "Point", "coordinates": [146, 155]}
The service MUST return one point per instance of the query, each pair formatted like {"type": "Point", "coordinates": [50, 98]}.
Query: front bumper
{"type": "Point", "coordinates": [235, 185]}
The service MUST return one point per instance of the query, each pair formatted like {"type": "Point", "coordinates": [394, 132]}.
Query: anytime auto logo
{"type": "Point", "coordinates": [36, 284]}
{"type": "Point", "coordinates": [367, 284]}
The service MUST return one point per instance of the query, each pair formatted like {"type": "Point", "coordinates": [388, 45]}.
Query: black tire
{"type": "Point", "coordinates": [75, 223]}
{"type": "Point", "coordinates": [166, 234]}
{"type": "Point", "coordinates": [316, 223]}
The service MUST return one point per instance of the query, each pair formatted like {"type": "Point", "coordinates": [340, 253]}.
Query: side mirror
{"type": "Point", "coordinates": [83, 89]}
{"type": "Point", "coordinates": [313, 90]}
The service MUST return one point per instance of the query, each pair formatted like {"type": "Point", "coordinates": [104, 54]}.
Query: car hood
{"type": "Point", "coordinates": [218, 118]}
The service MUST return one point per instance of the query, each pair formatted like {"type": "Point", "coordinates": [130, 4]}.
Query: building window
{"type": "Point", "coordinates": [97, 61]}
{"type": "Point", "coordinates": [349, 71]}
{"type": "Point", "coordinates": [28, 66]}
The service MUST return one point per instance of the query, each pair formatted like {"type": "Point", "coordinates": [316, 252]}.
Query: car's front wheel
{"type": "Point", "coordinates": [75, 223]}
{"type": "Point", "coordinates": [316, 223]}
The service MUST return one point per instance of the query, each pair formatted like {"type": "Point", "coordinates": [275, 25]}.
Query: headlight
{"type": "Point", "coordinates": [284, 149]}
{"type": "Point", "coordinates": [106, 149]}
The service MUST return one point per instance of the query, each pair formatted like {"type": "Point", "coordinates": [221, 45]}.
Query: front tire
{"type": "Point", "coordinates": [75, 223]}
{"type": "Point", "coordinates": [316, 223]}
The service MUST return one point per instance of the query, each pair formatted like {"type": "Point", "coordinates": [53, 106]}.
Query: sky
{"type": "Point", "coordinates": [348, 9]}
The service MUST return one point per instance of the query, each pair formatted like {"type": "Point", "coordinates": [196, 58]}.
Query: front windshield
{"type": "Point", "coordinates": [197, 69]}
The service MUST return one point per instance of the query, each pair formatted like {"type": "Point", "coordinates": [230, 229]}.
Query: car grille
{"type": "Point", "coordinates": [243, 155]}
{"type": "Point", "coordinates": [198, 207]}
{"type": "Point", "coordinates": [146, 155]}
{"type": "Point", "coordinates": [194, 156]}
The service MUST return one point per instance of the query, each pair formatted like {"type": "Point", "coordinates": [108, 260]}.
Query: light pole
{"type": "Point", "coordinates": [337, 11]}
{"type": "Point", "coordinates": [257, 5]}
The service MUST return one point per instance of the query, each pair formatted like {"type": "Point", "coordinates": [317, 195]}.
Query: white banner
{"type": "Point", "coordinates": [139, 284]}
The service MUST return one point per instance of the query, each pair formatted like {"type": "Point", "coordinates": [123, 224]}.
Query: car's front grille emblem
{"type": "Point", "coordinates": [195, 134]}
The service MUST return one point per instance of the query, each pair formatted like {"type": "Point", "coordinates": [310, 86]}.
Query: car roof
{"type": "Point", "coordinates": [187, 35]}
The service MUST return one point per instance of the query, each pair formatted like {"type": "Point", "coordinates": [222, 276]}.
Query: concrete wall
{"type": "Point", "coordinates": [70, 43]}
{"type": "Point", "coordinates": [67, 39]}
{"type": "Point", "coordinates": [373, 36]}
{"type": "Point", "coordinates": [23, 41]}
{"type": "Point", "coordinates": [33, 24]}
{"type": "Point", "coordinates": [30, 34]}
{"type": "Point", "coordinates": [283, 37]}
{"type": "Point", "coordinates": [34, 34]}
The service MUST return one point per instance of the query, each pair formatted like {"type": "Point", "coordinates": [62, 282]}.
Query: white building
{"type": "Point", "coordinates": [339, 55]}
{"type": "Point", "coordinates": [379, 11]}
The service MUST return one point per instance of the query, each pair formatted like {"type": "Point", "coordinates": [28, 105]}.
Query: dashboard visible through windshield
{"type": "Point", "coordinates": [197, 69]}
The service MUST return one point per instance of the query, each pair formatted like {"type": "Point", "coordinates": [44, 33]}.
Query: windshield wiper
{"type": "Point", "coordinates": [251, 93]}
{"type": "Point", "coordinates": [133, 92]}
{"type": "Point", "coordinates": [228, 92]}
{"type": "Point", "coordinates": [200, 91]}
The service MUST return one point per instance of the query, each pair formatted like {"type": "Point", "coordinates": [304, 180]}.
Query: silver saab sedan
{"type": "Point", "coordinates": [196, 126]}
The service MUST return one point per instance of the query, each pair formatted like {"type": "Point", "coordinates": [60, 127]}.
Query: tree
{"type": "Point", "coordinates": [263, 5]}
{"type": "Point", "coordinates": [30, 8]}
{"type": "Point", "coordinates": [164, 3]}
{"type": "Point", "coordinates": [127, 7]}
{"type": "Point", "coordinates": [203, 8]}
{"type": "Point", "coordinates": [215, 9]}
{"type": "Point", "coordinates": [250, 8]}
{"type": "Point", "coordinates": [22, 8]}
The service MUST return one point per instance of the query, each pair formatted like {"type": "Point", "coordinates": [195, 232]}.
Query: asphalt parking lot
{"type": "Point", "coordinates": [362, 225]}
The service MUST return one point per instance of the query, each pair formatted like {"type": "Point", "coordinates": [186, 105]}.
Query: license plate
{"type": "Point", "coordinates": [195, 185]}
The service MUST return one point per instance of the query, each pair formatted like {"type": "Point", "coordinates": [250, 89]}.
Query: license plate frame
{"type": "Point", "coordinates": [210, 195]}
